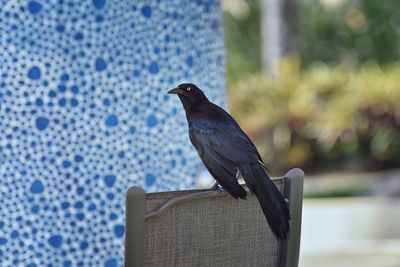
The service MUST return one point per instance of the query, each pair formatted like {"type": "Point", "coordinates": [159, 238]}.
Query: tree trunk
{"type": "Point", "coordinates": [278, 19]}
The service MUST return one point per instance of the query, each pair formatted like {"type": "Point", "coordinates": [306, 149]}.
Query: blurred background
{"type": "Point", "coordinates": [316, 84]}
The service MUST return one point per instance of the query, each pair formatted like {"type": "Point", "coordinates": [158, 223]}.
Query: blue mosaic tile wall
{"type": "Point", "coordinates": [84, 115]}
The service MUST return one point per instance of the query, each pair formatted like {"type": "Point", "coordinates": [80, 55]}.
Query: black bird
{"type": "Point", "coordinates": [227, 151]}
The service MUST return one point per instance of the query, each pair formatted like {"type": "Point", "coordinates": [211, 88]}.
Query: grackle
{"type": "Point", "coordinates": [227, 151]}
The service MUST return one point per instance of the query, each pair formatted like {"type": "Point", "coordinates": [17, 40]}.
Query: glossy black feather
{"type": "Point", "coordinates": [225, 149]}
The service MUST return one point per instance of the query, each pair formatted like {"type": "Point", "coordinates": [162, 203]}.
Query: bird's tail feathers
{"type": "Point", "coordinates": [270, 198]}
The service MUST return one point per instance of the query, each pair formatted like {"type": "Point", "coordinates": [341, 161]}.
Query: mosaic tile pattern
{"type": "Point", "coordinates": [84, 114]}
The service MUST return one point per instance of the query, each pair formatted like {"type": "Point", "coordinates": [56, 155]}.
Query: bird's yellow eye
{"type": "Point", "coordinates": [188, 89]}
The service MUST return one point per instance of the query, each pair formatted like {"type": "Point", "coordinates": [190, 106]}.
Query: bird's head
{"type": "Point", "coordinates": [189, 94]}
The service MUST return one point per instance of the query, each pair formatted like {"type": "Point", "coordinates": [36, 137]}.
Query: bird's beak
{"type": "Point", "coordinates": [176, 90]}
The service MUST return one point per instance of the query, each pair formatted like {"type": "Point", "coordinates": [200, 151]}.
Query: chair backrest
{"type": "Point", "coordinates": [209, 228]}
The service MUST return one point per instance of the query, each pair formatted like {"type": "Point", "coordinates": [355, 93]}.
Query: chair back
{"type": "Point", "coordinates": [209, 228]}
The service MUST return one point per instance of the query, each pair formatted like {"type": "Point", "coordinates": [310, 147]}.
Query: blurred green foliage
{"type": "Point", "coordinates": [242, 34]}
{"type": "Point", "coordinates": [350, 31]}
{"type": "Point", "coordinates": [347, 32]}
{"type": "Point", "coordinates": [336, 102]}
{"type": "Point", "coordinates": [324, 117]}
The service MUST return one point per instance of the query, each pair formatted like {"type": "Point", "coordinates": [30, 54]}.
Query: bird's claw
{"type": "Point", "coordinates": [216, 187]}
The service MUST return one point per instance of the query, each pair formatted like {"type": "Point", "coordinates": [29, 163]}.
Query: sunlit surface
{"type": "Point", "coordinates": [357, 232]}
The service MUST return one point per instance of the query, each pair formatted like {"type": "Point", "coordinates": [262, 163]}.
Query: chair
{"type": "Point", "coordinates": [209, 228]}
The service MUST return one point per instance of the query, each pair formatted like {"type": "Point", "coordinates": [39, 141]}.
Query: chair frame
{"type": "Point", "coordinates": [136, 216]}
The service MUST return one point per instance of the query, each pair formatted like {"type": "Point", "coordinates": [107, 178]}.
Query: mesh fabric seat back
{"type": "Point", "coordinates": [209, 228]}
{"type": "Point", "coordinates": [212, 230]}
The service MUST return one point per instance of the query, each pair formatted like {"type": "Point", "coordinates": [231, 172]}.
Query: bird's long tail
{"type": "Point", "coordinates": [271, 200]}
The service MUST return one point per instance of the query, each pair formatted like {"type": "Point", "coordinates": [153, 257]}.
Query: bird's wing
{"type": "Point", "coordinates": [237, 128]}
{"type": "Point", "coordinates": [223, 147]}
{"type": "Point", "coordinates": [224, 140]}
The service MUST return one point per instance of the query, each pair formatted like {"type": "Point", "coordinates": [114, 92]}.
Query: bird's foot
{"type": "Point", "coordinates": [216, 187]}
